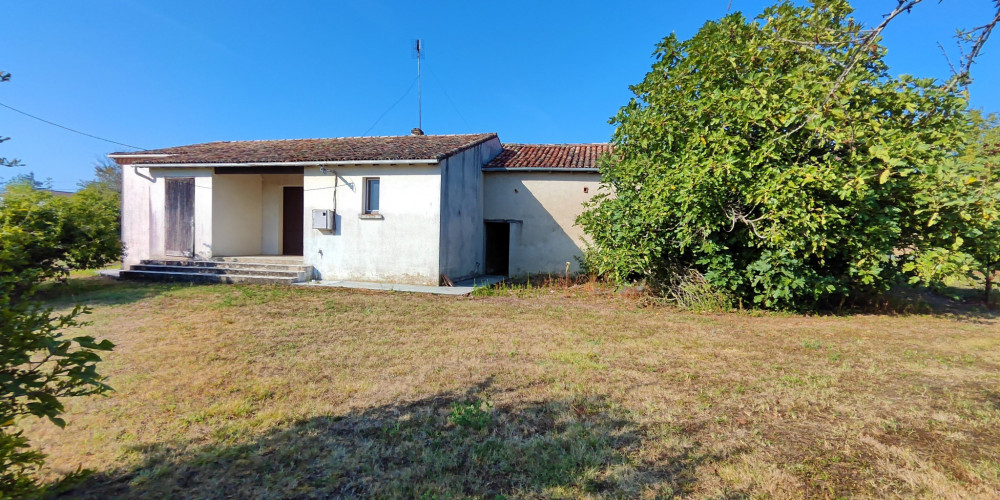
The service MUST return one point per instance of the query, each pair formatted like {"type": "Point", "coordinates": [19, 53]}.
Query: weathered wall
{"type": "Point", "coordinates": [236, 214]}
{"type": "Point", "coordinates": [143, 224]}
{"type": "Point", "coordinates": [546, 204]}
{"type": "Point", "coordinates": [136, 227]}
{"type": "Point", "coordinates": [462, 250]}
{"type": "Point", "coordinates": [401, 247]}
{"type": "Point", "coordinates": [272, 208]}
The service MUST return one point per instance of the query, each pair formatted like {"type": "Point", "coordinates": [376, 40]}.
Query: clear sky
{"type": "Point", "coordinates": [166, 73]}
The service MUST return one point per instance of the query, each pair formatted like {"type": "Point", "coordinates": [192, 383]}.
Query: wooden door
{"type": "Point", "coordinates": [179, 208]}
{"type": "Point", "coordinates": [292, 228]}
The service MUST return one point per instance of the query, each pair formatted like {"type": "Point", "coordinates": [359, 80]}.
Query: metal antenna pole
{"type": "Point", "coordinates": [420, 109]}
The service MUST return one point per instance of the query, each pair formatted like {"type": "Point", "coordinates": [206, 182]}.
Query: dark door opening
{"type": "Point", "coordinates": [179, 208]}
{"type": "Point", "coordinates": [291, 233]}
{"type": "Point", "coordinates": [497, 248]}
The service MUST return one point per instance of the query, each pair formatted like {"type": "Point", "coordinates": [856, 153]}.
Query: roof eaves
{"type": "Point", "coordinates": [580, 170]}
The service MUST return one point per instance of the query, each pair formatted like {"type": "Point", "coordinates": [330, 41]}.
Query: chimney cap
{"type": "Point", "coordinates": [416, 131]}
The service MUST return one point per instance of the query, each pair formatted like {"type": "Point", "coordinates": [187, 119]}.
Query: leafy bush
{"type": "Point", "coordinates": [776, 156]}
{"type": "Point", "coordinates": [961, 204]}
{"type": "Point", "coordinates": [41, 238]}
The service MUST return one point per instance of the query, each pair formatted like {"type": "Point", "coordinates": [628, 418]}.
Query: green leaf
{"type": "Point", "coordinates": [885, 175]}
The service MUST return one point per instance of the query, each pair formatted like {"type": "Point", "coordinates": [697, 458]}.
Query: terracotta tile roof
{"type": "Point", "coordinates": [399, 148]}
{"type": "Point", "coordinates": [568, 156]}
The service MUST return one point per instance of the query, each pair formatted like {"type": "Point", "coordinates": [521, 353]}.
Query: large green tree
{"type": "Point", "coordinates": [777, 156]}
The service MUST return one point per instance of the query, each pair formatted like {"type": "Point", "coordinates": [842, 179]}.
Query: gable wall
{"type": "Point", "coordinates": [544, 206]}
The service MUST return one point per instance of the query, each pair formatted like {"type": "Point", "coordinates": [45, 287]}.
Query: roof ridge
{"type": "Point", "coordinates": [370, 148]}
{"type": "Point", "coordinates": [557, 144]}
{"type": "Point", "coordinates": [331, 138]}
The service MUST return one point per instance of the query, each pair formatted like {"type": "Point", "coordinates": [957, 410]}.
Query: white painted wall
{"type": "Point", "coordinates": [272, 210]}
{"type": "Point", "coordinates": [143, 221]}
{"type": "Point", "coordinates": [547, 204]}
{"type": "Point", "coordinates": [462, 234]}
{"type": "Point", "coordinates": [236, 214]}
{"type": "Point", "coordinates": [136, 227]}
{"type": "Point", "coordinates": [402, 247]}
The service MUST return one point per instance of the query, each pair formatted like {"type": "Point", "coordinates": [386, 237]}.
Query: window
{"type": "Point", "coordinates": [371, 195]}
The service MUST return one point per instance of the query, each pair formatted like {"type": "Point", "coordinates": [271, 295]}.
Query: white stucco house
{"type": "Point", "coordinates": [419, 209]}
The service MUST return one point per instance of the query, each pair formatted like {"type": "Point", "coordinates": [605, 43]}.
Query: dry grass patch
{"type": "Point", "coordinates": [278, 391]}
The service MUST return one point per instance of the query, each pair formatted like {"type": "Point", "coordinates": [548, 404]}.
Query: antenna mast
{"type": "Point", "coordinates": [419, 46]}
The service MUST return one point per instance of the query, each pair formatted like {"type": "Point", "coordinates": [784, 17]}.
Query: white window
{"type": "Point", "coordinates": [371, 195]}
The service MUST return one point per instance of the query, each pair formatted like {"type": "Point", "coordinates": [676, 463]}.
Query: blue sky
{"type": "Point", "coordinates": [159, 74]}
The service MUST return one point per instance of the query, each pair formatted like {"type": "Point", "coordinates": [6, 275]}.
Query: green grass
{"type": "Point", "coordinates": [552, 391]}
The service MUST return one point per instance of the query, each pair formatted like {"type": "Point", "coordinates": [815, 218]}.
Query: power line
{"type": "Point", "coordinates": [453, 106]}
{"type": "Point", "coordinates": [29, 115]}
{"type": "Point", "coordinates": [391, 107]}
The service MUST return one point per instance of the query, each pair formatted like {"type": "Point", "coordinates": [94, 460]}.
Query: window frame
{"type": "Point", "coordinates": [366, 198]}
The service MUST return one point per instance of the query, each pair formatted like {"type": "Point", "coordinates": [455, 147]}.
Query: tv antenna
{"type": "Point", "coordinates": [418, 48]}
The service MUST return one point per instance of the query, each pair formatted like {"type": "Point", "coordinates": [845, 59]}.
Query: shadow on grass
{"type": "Point", "coordinates": [963, 304]}
{"type": "Point", "coordinates": [447, 445]}
{"type": "Point", "coordinates": [102, 291]}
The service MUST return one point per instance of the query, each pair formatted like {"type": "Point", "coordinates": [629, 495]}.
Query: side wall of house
{"type": "Point", "coordinates": [401, 246]}
{"type": "Point", "coordinates": [461, 242]}
{"type": "Point", "coordinates": [136, 208]}
{"type": "Point", "coordinates": [143, 222]}
{"type": "Point", "coordinates": [542, 208]}
{"type": "Point", "coordinates": [236, 214]}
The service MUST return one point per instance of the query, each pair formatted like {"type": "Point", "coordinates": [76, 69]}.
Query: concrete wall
{"type": "Point", "coordinates": [546, 205]}
{"type": "Point", "coordinates": [236, 214]}
{"type": "Point", "coordinates": [143, 223]}
{"type": "Point", "coordinates": [272, 210]}
{"type": "Point", "coordinates": [400, 247]}
{"type": "Point", "coordinates": [462, 238]}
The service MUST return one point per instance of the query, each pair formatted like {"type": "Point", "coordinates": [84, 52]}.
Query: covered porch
{"type": "Point", "coordinates": [250, 214]}
{"type": "Point", "coordinates": [257, 214]}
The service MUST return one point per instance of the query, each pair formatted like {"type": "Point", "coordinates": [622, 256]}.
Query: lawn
{"type": "Point", "coordinates": [259, 391]}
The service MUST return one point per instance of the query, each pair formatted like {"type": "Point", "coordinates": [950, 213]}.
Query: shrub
{"type": "Point", "coordinates": [41, 238]}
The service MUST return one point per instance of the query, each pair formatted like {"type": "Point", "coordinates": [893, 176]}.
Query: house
{"type": "Point", "coordinates": [420, 209]}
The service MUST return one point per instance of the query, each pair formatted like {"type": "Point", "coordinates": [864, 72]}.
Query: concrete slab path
{"type": "Point", "coordinates": [464, 287]}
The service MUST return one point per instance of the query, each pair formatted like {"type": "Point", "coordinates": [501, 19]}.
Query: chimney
{"type": "Point", "coordinates": [416, 131]}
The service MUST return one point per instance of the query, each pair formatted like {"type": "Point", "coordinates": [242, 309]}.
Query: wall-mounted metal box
{"type": "Point", "coordinates": [324, 220]}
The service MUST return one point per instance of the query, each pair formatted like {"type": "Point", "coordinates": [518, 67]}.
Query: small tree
{"type": "Point", "coordinates": [29, 179]}
{"type": "Point", "coordinates": [107, 176]}
{"type": "Point", "coordinates": [775, 156]}
{"type": "Point", "coordinates": [42, 237]}
{"type": "Point", "coordinates": [961, 204]}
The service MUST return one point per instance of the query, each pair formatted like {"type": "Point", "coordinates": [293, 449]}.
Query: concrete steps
{"type": "Point", "coordinates": [245, 270]}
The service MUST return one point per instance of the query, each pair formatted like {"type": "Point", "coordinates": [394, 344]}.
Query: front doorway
{"type": "Point", "coordinates": [292, 228]}
{"type": "Point", "coordinates": [497, 248]}
{"type": "Point", "coordinates": [179, 208]}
